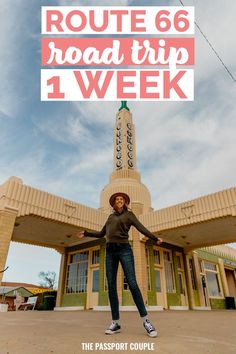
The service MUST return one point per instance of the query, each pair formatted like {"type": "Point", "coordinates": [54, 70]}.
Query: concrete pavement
{"type": "Point", "coordinates": [81, 332]}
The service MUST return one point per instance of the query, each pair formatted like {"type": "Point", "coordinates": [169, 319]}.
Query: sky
{"type": "Point", "coordinates": [184, 149]}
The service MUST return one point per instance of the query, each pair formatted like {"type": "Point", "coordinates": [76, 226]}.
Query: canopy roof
{"type": "Point", "coordinates": [47, 220]}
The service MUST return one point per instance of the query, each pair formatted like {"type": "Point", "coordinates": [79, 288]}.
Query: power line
{"type": "Point", "coordinates": [212, 48]}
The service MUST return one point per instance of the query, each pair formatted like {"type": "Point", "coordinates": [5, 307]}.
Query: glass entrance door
{"type": "Point", "coordinates": [182, 288]}
{"type": "Point", "coordinates": [181, 280]}
{"type": "Point", "coordinates": [93, 292]}
{"type": "Point", "coordinates": [160, 278]}
{"type": "Point", "coordinates": [160, 288]}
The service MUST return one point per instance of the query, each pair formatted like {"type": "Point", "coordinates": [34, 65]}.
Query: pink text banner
{"type": "Point", "coordinates": [117, 20]}
{"type": "Point", "coordinates": [116, 85]}
{"type": "Point", "coordinates": [109, 51]}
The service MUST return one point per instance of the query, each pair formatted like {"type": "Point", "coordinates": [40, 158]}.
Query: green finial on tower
{"type": "Point", "coordinates": [123, 105]}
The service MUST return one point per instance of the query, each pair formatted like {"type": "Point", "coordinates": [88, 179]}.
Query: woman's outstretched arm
{"type": "Point", "coordinates": [96, 234]}
{"type": "Point", "coordinates": [139, 226]}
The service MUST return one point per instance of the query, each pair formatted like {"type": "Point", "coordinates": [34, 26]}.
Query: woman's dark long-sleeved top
{"type": "Point", "coordinates": [117, 227]}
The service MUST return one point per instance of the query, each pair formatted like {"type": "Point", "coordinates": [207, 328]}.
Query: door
{"type": "Point", "coordinates": [95, 286]}
{"type": "Point", "coordinates": [93, 283]}
{"type": "Point", "coordinates": [182, 288]}
{"type": "Point", "coordinates": [231, 281]}
{"type": "Point", "coordinates": [160, 278]}
{"type": "Point", "coordinates": [93, 290]}
{"type": "Point", "coordinates": [181, 279]}
{"type": "Point", "coordinates": [160, 288]}
{"type": "Point", "coordinates": [204, 290]}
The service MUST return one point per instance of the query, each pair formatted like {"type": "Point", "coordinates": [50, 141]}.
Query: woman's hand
{"type": "Point", "coordinates": [159, 241]}
{"type": "Point", "coordinates": [80, 234]}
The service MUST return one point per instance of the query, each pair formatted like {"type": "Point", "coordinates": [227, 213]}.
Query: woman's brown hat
{"type": "Point", "coordinates": [119, 194]}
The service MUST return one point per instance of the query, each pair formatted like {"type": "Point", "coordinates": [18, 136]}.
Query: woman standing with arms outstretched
{"type": "Point", "coordinates": [118, 250]}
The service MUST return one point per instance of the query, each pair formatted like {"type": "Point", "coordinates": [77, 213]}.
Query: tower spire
{"type": "Point", "coordinates": [124, 140]}
{"type": "Point", "coordinates": [124, 105]}
{"type": "Point", "coordinates": [125, 177]}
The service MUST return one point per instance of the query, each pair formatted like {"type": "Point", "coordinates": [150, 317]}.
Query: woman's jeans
{"type": "Point", "coordinates": [115, 253]}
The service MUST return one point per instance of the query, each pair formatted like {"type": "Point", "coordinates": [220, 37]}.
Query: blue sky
{"type": "Point", "coordinates": [184, 149]}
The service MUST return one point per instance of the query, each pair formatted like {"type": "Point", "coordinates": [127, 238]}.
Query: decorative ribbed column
{"type": "Point", "coordinates": [7, 222]}
{"type": "Point", "coordinates": [61, 282]}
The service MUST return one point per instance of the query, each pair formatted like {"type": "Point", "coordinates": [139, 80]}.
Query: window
{"type": "Point", "coordinates": [95, 287]}
{"type": "Point", "coordinates": [210, 266]}
{"type": "Point", "coordinates": [77, 273]}
{"type": "Point", "coordinates": [157, 259]}
{"type": "Point", "coordinates": [213, 284]}
{"type": "Point", "coordinates": [179, 263]}
{"type": "Point", "coordinates": [78, 257]}
{"type": "Point", "coordinates": [213, 281]}
{"type": "Point", "coordinates": [158, 280]}
{"type": "Point", "coordinates": [168, 265]}
{"type": "Point", "coordinates": [71, 278]}
{"type": "Point", "coordinates": [95, 257]}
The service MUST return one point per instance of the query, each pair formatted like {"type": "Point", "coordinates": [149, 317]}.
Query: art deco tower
{"type": "Point", "coordinates": [125, 177]}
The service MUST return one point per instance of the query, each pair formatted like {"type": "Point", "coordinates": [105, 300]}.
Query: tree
{"type": "Point", "coordinates": [49, 279]}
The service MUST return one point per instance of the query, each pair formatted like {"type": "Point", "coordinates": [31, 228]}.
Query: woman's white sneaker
{"type": "Point", "coordinates": [151, 331]}
{"type": "Point", "coordinates": [114, 328]}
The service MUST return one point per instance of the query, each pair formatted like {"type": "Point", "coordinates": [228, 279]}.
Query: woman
{"type": "Point", "coordinates": [118, 250]}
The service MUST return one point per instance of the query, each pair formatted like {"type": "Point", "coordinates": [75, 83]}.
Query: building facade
{"type": "Point", "coordinates": [168, 278]}
{"type": "Point", "coordinates": [190, 270]}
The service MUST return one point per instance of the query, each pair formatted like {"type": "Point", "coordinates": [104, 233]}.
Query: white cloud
{"type": "Point", "coordinates": [216, 22]}
{"type": "Point", "coordinates": [66, 130]}
{"type": "Point", "coordinates": [93, 161]}
{"type": "Point", "coordinates": [14, 33]}
{"type": "Point", "coordinates": [29, 167]}
{"type": "Point", "coordinates": [189, 149]}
